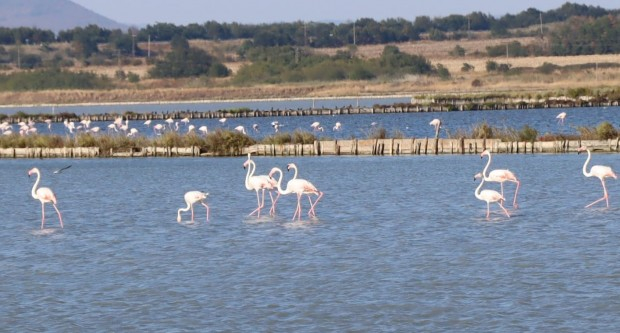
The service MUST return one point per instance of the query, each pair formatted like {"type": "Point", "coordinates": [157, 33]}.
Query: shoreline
{"type": "Point", "coordinates": [353, 147]}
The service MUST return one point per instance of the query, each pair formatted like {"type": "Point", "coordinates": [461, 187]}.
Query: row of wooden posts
{"type": "Point", "coordinates": [354, 147]}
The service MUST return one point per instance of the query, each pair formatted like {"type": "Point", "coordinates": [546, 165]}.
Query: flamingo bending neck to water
{"type": "Point", "coordinates": [298, 186]}
{"type": "Point", "coordinates": [599, 171]}
{"type": "Point", "coordinates": [500, 176]}
{"type": "Point", "coordinates": [191, 198]}
{"type": "Point", "coordinates": [43, 194]}
{"type": "Point", "coordinates": [489, 196]}
{"type": "Point", "coordinates": [260, 182]}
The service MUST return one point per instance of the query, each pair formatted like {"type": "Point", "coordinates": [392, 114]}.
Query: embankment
{"type": "Point", "coordinates": [368, 147]}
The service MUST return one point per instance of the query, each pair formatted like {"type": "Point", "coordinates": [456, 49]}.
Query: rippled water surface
{"type": "Point", "coordinates": [400, 244]}
{"type": "Point", "coordinates": [454, 124]}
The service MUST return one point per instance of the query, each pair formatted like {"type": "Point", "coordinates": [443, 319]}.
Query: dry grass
{"type": "Point", "coordinates": [436, 52]}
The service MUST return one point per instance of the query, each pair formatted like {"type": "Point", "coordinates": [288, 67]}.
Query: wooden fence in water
{"type": "Point", "coordinates": [378, 147]}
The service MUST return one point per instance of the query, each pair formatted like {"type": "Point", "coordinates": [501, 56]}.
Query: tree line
{"type": "Point", "coordinates": [362, 31]}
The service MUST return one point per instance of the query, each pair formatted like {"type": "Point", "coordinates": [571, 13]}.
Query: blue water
{"type": "Point", "coordinates": [416, 125]}
{"type": "Point", "coordinates": [400, 244]}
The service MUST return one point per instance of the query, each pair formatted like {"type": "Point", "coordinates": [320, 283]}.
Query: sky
{"type": "Point", "coordinates": [183, 12]}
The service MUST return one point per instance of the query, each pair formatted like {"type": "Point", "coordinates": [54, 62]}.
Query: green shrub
{"type": "Point", "coordinates": [606, 130]}
{"type": "Point", "coordinates": [528, 134]}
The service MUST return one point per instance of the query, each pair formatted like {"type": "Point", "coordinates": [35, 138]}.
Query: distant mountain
{"type": "Point", "coordinates": [52, 15]}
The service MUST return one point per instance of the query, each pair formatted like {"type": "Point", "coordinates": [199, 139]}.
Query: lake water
{"type": "Point", "coordinates": [400, 244]}
{"type": "Point", "coordinates": [353, 126]}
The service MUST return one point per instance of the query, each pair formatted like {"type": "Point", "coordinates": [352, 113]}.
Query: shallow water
{"type": "Point", "coordinates": [454, 124]}
{"type": "Point", "coordinates": [399, 244]}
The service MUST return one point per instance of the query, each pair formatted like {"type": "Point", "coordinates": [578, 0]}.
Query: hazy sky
{"type": "Point", "coordinates": [182, 12]}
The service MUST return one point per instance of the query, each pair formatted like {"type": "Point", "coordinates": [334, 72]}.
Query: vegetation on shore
{"type": "Point", "coordinates": [226, 142]}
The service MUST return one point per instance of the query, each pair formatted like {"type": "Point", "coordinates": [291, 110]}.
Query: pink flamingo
{"type": "Point", "coordinates": [599, 171]}
{"type": "Point", "coordinates": [43, 194]}
{"type": "Point", "coordinates": [500, 176]}
{"type": "Point", "coordinates": [299, 187]}
{"type": "Point", "coordinates": [560, 117]}
{"type": "Point", "coordinates": [489, 196]}
{"type": "Point", "coordinates": [261, 182]}
{"type": "Point", "coordinates": [191, 198]}
{"type": "Point", "coordinates": [437, 124]}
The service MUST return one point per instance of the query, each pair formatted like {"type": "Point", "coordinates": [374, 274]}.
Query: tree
{"type": "Point", "coordinates": [186, 61]}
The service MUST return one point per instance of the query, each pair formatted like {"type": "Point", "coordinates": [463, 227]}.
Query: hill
{"type": "Point", "coordinates": [53, 15]}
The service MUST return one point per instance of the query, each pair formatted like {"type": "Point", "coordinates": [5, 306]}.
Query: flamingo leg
{"type": "Point", "coordinates": [298, 210]}
{"type": "Point", "coordinates": [314, 204]}
{"type": "Point", "coordinates": [605, 196]}
{"type": "Point", "coordinates": [206, 206]}
{"type": "Point", "coordinates": [504, 209]}
{"type": "Point", "coordinates": [514, 202]}
{"type": "Point", "coordinates": [272, 211]}
{"type": "Point", "coordinates": [59, 215]}
{"type": "Point", "coordinates": [488, 209]}
{"type": "Point", "coordinates": [192, 209]}
{"type": "Point", "coordinates": [42, 215]}
{"type": "Point", "coordinates": [258, 202]}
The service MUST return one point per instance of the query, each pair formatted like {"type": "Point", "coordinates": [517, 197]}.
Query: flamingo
{"type": "Point", "coordinates": [299, 187]}
{"type": "Point", "coordinates": [315, 125]}
{"type": "Point", "coordinates": [500, 176]}
{"type": "Point", "coordinates": [158, 129]}
{"type": "Point", "coordinates": [203, 129]}
{"type": "Point", "coordinates": [49, 124]}
{"type": "Point", "coordinates": [599, 171]}
{"type": "Point", "coordinates": [169, 121]}
{"type": "Point", "coordinates": [261, 182]}
{"type": "Point", "coordinates": [191, 198]}
{"type": "Point", "coordinates": [489, 196]}
{"type": "Point", "coordinates": [337, 126]}
{"type": "Point", "coordinates": [240, 129]}
{"type": "Point", "coordinates": [437, 124]}
{"type": "Point", "coordinates": [147, 123]}
{"type": "Point", "coordinates": [222, 121]}
{"type": "Point", "coordinates": [185, 121]}
{"type": "Point", "coordinates": [255, 128]}
{"type": "Point", "coordinates": [560, 117]}
{"type": "Point", "coordinates": [43, 194]}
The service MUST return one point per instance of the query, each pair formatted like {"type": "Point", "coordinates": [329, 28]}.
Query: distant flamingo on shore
{"type": "Point", "coordinates": [299, 187]}
{"type": "Point", "coordinates": [489, 196]}
{"type": "Point", "coordinates": [45, 195]}
{"type": "Point", "coordinates": [191, 198]}
{"type": "Point", "coordinates": [599, 171]}
{"type": "Point", "coordinates": [500, 176]}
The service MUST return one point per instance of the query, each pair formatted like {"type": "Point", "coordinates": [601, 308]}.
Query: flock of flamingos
{"type": "Point", "coordinates": [262, 183]}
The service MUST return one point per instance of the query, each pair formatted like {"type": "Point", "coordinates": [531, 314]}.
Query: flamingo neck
{"type": "Point", "coordinates": [586, 173]}
{"type": "Point", "coordinates": [251, 169]}
{"type": "Point", "coordinates": [479, 188]}
{"type": "Point", "coordinates": [279, 184]}
{"type": "Point", "coordinates": [294, 167]}
{"type": "Point", "coordinates": [36, 184]}
{"type": "Point", "coordinates": [484, 172]}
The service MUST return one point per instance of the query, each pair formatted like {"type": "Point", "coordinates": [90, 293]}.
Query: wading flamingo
{"type": "Point", "coordinates": [560, 117]}
{"type": "Point", "coordinates": [191, 198]}
{"type": "Point", "coordinates": [260, 182]}
{"type": "Point", "coordinates": [437, 124]}
{"type": "Point", "coordinates": [599, 171]}
{"type": "Point", "coordinates": [489, 196]}
{"type": "Point", "coordinates": [43, 194]}
{"type": "Point", "coordinates": [299, 187]}
{"type": "Point", "coordinates": [500, 176]}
